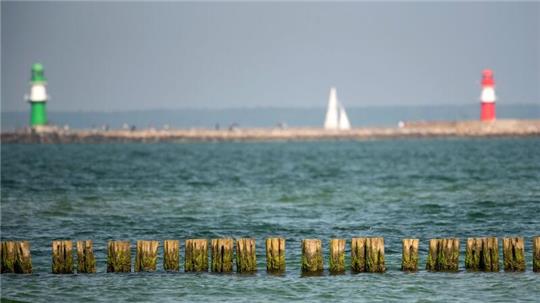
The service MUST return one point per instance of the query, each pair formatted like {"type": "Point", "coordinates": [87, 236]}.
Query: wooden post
{"type": "Point", "coordinates": [275, 255]}
{"type": "Point", "coordinates": [86, 262]}
{"type": "Point", "coordinates": [62, 257]}
{"type": "Point", "coordinates": [23, 263]}
{"type": "Point", "coordinates": [375, 255]}
{"type": "Point", "coordinates": [246, 260]}
{"type": "Point", "coordinates": [482, 254]}
{"type": "Point", "coordinates": [8, 257]}
{"type": "Point", "coordinates": [146, 257]}
{"type": "Point", "coordinates": [514, 254]}
{"type": "Point", "coordinates": [367, 255]}
{"type": "Point", "coordinates": [409, 259]}
{"type": "Point", "coordinates": [119, 256]}
{"type": "Point", "coordinates": [171, 255]}
{"type": "Point", "coordinates": [15, 257]}
{"type": "Point", "coordinates": [443, 255]}
{"type": "Point", "coordinates": [312, 259]}
{"type": "Point", "coordinates": [222, 255]}
{"type": "Point", "coordinates": [536, 254]}
{"type": "Point", "coordinates": [358, 254]}
{"type": "Point", "coordinates": [196, 255]}
{"type": "Point", "coordinates": [337, 256]}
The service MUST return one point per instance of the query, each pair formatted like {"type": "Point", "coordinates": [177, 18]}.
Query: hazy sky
{"type": "Point", "coordinates": [115, 56]}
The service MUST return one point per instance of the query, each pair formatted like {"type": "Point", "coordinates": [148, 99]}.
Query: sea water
{"type": "Point", "coordinates": [422, 188]}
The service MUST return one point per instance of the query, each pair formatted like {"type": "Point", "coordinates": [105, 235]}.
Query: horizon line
{"type": "Point", "coordinates": [266, 107]}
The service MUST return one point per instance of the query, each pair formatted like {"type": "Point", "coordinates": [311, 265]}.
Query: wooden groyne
{"type": "Point", "coordinates": [146, 258]}
{"type": "Point", "coordinates": [482, 254]}
{"type": "Point", "coordinates": [409, 259]}
{"type": "Point", "coordinates": [86, 262]}
{"type": "Point", "coordinates": [408, 130]}
{"type": "Point", "coordinates": [443, 255]}
{"type": "Point", "coordinates": [15, 257]}
{"type": "Point", "coordinates": [222, 255]}
{"type": "Point", "coordinates": [62, 257]}
{"type": "Point", "coordinates": [367, 255]}
{"type": "Point", "coordinates": [171, 255]}
{"type": "Point", "coordinates": [275, 255]}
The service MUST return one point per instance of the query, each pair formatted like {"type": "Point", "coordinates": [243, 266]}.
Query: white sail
{"type": "Point", "coordinates": [331, 120]}
{"type": "Point", "coordinates": [344, 123]}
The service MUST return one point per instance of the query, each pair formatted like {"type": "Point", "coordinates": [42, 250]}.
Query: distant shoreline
{"type": "Point", "coordinates": [499, 128]}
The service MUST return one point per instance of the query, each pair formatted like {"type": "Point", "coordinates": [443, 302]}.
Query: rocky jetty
{"type": "Point", "coordinates": [499, 128]}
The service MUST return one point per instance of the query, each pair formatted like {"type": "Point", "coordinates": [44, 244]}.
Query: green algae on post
{"type": "Point", "coordinates": [536, 254]}
{"type": "Point", "coordinates": [246, 260]}
{"type": "Point", "coordinates": [196, 258]}
{"type": "Point", "coordinates": [222, 255]}
{"type": "Point", "coordinates": [514, 254]}
{"type": "Point", "coordinates": [336, 258]}
{"type": "Point", "coordinates": [146, 258]}
{"type": "Point", "coordinates": [119, 256]}
{"type": "Point", "coordinates": [62, 257]}
{"type": "Point", "coordinates": [15, 257]}
{"type": "Point", "coordinates": [482, 254]}
{"type": "Point", "coordinates": [23, 261]}
{"type": "Point", "coordinates": [86, 262]}
{"type": "Point", "coordinates": [171, 255]}
{"type": "Point", "coordinates": [7, 256]}
{"type": "Point", "coordinates": [275, 255]}
{"type": "Point", "coordinates": [443, 255]}
{"type": "Point", "coordinates": [312, 259]}
{"type": "Point", "coordinates": [358, 254]}
{"type": "Point", "coordinates": [409, 259]}
{"type": "Point", "coordinates": [375, 255]}
{"type": "Point", "coordinates": [367, 255]}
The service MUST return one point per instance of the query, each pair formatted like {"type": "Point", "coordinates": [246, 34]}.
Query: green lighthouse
{"type": "Point", "coordinates": [38, 96]}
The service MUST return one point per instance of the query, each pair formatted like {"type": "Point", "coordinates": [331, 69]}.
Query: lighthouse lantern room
{"type": "Point", "coordinates": [487, 109]}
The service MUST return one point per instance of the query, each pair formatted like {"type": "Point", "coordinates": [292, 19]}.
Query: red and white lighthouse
{"type": "Point", "coordinates": [487, 110]}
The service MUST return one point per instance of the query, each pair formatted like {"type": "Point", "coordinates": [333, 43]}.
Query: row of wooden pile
{"type": "Point", "coordinates": [367, 255]}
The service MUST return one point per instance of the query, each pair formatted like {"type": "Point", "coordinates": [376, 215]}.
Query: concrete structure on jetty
{"type": "Point", "coordinates": [367, 255]}
{"type": "Point", "coordinates": [407, 130]}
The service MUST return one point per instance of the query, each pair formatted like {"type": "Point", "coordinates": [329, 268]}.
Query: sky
{"type": "Point", "coordinates": [119, 56]}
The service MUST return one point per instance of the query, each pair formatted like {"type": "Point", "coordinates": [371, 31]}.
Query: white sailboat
{"type": "Point", "coordinates": [336, 116]}
{"type": "Point", "coordinates": [344, 122]}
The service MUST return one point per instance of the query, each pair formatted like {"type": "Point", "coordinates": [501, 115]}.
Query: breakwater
{"type": "Point", "coordinates": [366, 255]}
{"type": "Point", "coordinates": [499, 128]}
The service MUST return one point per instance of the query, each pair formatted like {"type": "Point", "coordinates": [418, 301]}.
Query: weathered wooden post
{"type": "Point", "coordinates": [358, 254]}
{"type": "Point", "coordinates": [246, 260]}
{"type": "Point", "coordinates": [367, 255]}
{"type": "Point", "coordinates": [536, 254]}
{"type": "Point", "coordinates": [312, 259]}
{"type": "Point", "coordinates": [171, 255]}
{"type": "Point", "coordinates": [86, 262]}
{"type": "Point", "coordinates": [196, 258]}
{"type": "Point", "coordinates": [8, 257]}
{"type": "Point", "coordinates": [409, 259]}
{"type": "Point", "coordinates": [23, 263]}
{"type": "Point", "coordinates": [443, 255]}
{"type": "Point", "coordinates": [337, 256]}
{"type": "Point", "coordinates": [62, 257]}
{"type": "Point", "coordinates": [146, 257]}
{"type": "Point", "coordinates": [514, 254]}
{"type": "Point", "coordinates": [15, 257]}
{"type": "Point", "coordinates": [119, 256]}
{"type": "Point", "coordinates": [275, 255]}
{"type": "Point", "coordinates": [222, 255]}
{"type": "Point", "coordinates": [375, 255]}
{"type": "Point", "coordinates": [482, 254]}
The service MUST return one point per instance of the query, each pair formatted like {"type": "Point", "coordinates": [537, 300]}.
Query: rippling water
{"type": "Point", "coordinates": [422, 188]}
